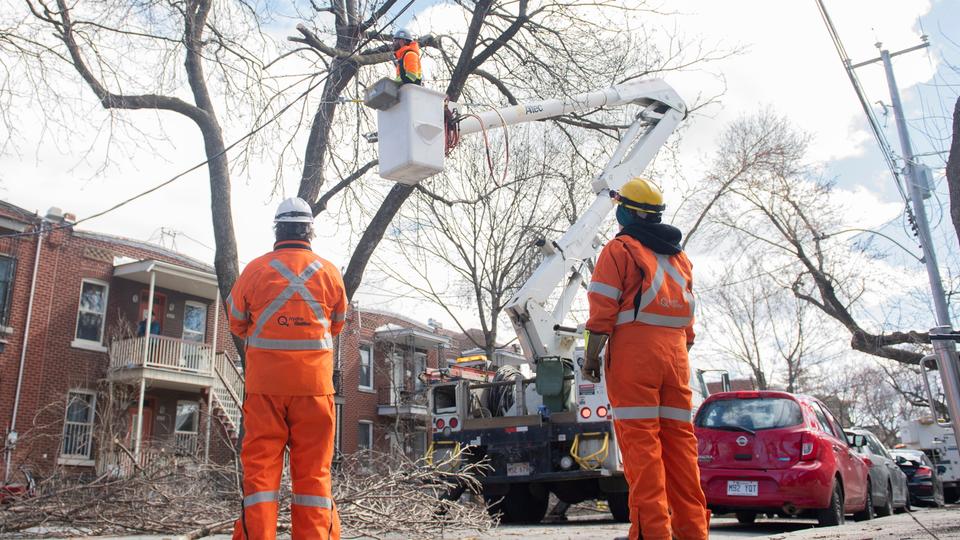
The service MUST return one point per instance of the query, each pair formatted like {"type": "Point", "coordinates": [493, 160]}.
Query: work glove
{"type": "Point", "coordinates": [593, 345]}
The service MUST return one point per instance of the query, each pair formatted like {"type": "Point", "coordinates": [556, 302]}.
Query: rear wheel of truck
{"type": "Point", "coordinates": [519, 505]}
{"type": "Point", "coordinates": [619, 504]}
{"type": "Point", "coordinates": [951, 494]}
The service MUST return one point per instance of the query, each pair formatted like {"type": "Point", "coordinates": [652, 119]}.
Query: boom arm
{"type": "Point", "coordinates": [536, 323]}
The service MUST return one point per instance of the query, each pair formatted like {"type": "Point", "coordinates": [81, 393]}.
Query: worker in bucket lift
{"type": "Point", "coordinates": [641, 308]}
{"type": "Point", "coordinates": [407, 52]}
{"type": "Point", "coordinates": [288, 305]}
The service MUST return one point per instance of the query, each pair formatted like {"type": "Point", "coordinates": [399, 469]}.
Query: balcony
{"type": "Point", "coordinates": [169, 362]}
{"type": "Point", "coordinates": [393, 401]}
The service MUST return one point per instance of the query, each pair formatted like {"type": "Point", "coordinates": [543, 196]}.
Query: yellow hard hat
{"type": "Point", "coordinates": [640, 195]}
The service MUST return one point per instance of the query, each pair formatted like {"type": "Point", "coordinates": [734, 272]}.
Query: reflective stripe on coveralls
{"type": "Point", "coordinates": [648, 296]}
{"type": "Point", "coordinates": [315, 501]}
{"type": "Point", "coordinates": [639, 413]}
{"type": "Point", "coordinates": [296, 286]}
{"type": "Point", "coordinates": [261, 497]}
{"type": "Point", "coordinates": [606, 290]}
{"type": "Point", "coordinates": [236, 313]}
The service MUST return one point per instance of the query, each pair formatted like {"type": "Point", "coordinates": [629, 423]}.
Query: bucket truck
{"type": "Point", "coordinates": [541, 426]}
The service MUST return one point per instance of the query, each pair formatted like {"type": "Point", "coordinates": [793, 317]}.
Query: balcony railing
{"type": "Point", "coordinates": [166, 353]}
{"type": "Point", "coordinates": [77, 439]}
{"type": "Point", "coordinates": [186, 443]}
{"type": "Point", "coordinates": [392, 396]}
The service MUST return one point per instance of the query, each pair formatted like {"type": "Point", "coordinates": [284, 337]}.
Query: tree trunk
{"type": "Point", "coordinates": [953, 170]}
{"type": "Point", "coordinates": [341, 73]}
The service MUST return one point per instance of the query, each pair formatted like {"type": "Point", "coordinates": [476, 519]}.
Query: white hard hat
{"type": "Point", "coordinates": [294, 210]}
{"type": "Point", "coordinates": [403, 33]}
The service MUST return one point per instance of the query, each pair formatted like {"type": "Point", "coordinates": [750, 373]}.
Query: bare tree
{"type": "Point", "coordinates": [102, 42]}
{"type": "Point", "coordinates": [788, 215]}
{"type": "Point", "coordinates": [877, 396]}
{"type": "Point", "coordinates": [754, 323]}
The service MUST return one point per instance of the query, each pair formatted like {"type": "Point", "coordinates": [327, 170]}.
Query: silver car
{"type": "Point", "coordinates": [888, 483]}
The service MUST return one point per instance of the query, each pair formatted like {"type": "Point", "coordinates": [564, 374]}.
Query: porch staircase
{"type": "Point", "coordinates": [228, 394]}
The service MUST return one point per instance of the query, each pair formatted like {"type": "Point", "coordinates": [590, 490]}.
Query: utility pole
{"type": "Point", "coordinates": [942, 336]}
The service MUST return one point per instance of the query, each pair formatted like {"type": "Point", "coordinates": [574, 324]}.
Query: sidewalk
{"type": "Point", "coordinates": [922, 524]}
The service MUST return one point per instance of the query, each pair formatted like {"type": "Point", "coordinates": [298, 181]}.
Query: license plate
{"type": "Point", "coordinates": [742, 488]}
{"type": "Point", "coordinates": [518, 469]}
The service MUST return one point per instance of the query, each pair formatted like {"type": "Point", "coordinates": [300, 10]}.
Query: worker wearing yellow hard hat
{"type": "Point", "coordinates": [641, 306]}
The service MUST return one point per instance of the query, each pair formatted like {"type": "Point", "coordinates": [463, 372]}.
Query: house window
{"type": "Point", "coordinates": [78, 424]}
{"type": "Point", "coordinates": [365, 435]}
{"type": "Point", "coordinates": [186, 428]}
{"type": "Point", "coordinates": [92, 312]}
{"type": "Point", "coordinates": [7, 266]}
{"type": "Point", "coordinates": [366, 367]}
{"type": "Point", "coordinates": [194, 321]}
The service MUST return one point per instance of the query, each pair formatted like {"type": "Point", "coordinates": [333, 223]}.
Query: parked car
{"type": "Point", "coordinates": [889, 483]}
{"type": "Point", "coordinates": [771, 452]}
{"type": "Point", "coordinates": [923, 481]}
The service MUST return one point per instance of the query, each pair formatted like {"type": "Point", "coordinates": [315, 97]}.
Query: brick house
{"type": "Point", "coordinates": [382, 402]}
{"type": "Point", "coordinates": [89, 356]}
{"type": "Point", "coordinates": [86, 360]}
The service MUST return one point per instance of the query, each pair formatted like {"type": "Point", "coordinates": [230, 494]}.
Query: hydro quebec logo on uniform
{"type": "Point", "coordinates": [292, 320]}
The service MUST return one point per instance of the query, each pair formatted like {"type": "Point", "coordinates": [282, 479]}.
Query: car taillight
{"type": "Point", "coordinates": [602, 411]}
{"type": "Point", "coordinates": [923, 472]}
{"type": "Point", "coordinates": [585, 412]}
{"type": "Point", "coordinates": [454, 423]}
{"type": "Point", "coordinates": [809, 446]}
{"type": "Point", "coordinates": [746, 395]}
{"type": "Point", "coordinates": [868, 461]}
{"type": "Point", "coordinates": [440, 423]}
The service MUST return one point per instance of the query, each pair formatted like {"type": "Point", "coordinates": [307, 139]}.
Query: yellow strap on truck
{"type": "Point", "coordinates": [594, 460]}
{"type": "Point", "coordinates": [435, 444]}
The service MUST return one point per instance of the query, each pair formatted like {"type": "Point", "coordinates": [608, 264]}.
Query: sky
{"type": "Point", "coordinates": [787, 63]}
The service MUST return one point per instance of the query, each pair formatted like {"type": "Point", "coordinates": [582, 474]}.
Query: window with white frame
{"type": "Point", "coordinates": [92, 311]}
{"type": "Point", "coordinates": [7, 268]}
{"type": "Point", "coordinates": [194, 321]}
{"type": "Point", "coordinates": [366, 367]}
{"type": "Point", "coordinates": [78, 424]}
{"type": "Point", "coordinates": [365, 435]}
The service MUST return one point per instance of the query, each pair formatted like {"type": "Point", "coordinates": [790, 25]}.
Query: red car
{"type": "Point", "coordinates": [779, 453]}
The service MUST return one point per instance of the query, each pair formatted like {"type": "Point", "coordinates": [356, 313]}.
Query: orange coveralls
{"type": "Point", "coordinates": [644, 301]}
{"type": "Point", "coordinates": [408, 64]}
{"type": "Point", "coordinates": [288, 305]}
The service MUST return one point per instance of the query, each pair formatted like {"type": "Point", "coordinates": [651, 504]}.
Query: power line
{"type": "Point", "coordinates": [878, 134]}
{"type": "Point", "coordinates": [232, 145]}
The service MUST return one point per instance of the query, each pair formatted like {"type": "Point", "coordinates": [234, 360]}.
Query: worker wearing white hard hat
{"type": "Point", "coordinates": [407, 52]}
{"type": "Point", "coordinates": [288, 305]}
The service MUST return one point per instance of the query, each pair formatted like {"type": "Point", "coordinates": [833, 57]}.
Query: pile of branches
{"type": "Point", "coordinates": [376, 495]}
